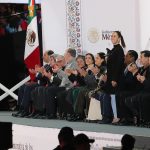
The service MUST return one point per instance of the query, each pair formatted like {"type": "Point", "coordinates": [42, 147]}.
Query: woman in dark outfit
{"type": "Point", "coordinates": [115, 68]}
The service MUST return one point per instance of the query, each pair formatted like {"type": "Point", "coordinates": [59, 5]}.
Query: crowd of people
{"type": "Point", "coordinates": [65, 85]}
{"type": "Point", "coordinates": [67, 141]}
{"type": "Point", "coordinates": [14, 18]}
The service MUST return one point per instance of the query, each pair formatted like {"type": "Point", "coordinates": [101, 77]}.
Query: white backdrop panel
{"type": "Point", "coordinates": [106, 16]}
{"type": "Point", "coordinates": [54, 25]}
{"type": "Point", "coordinates": [99, 17]}
{"type": "Point", "coordinates": [145, 23]}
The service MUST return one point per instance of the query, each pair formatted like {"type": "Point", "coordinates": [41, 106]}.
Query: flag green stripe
{"type": "Point", "coordinates": [34, 12]}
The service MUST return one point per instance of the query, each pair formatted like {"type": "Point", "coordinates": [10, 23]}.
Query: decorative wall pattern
{"type": "Point", "coordinates": [73, 18]}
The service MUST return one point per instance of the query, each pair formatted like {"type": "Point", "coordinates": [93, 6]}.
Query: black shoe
{"type": "Point", "coordinates": [136, 121]}
{"type": "Point", "coordinates": [62, 116]}
{"type": "Point", "coordinates": [17, 113]}
{"type": "Point", "coordinates": [36, 116]}
{"type": "Point", "coordinates": [59, 117]}
{"type": "Point", "coordinates": [43, 116]}
{"type": "Point", "coordinates": [125, 122]}
{"type": "Point", "coordinates": [75, 117]}
{"type": "Point", "coordinates": [91, 121]}
{"type": "Point", "coordinates": [105, 120]}
{"type": "Point", "coordinates": [51, 116]}
{"type": "Point", "coordinates": [143, 123]}
{"type": "Point", "coordinates": [70, 117]}
{"type": "Point", "coordinates": [40, 116]}
{"type": "Point", "coordinates": [23, 114]}
{"type": "Point", "coordinates": [31, 115]}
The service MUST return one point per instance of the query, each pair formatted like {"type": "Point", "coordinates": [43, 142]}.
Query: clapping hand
{"type": "Point", "coordinates": [32, 71]}
{"type": "Point", "coordinates": [55, 68]}
{"type": "Point", "coordinates": [83, 72]}
{"type": "Point", "coordinates": [113, 83]}
{"type": "Point", "coordinates": [47, 74]}
{"type": "Point", "coordinates": [103, 77]}
{"type": "Point", "coordinates": [140, 78]}
{"type": "Point", "coordinates": [68, 71]}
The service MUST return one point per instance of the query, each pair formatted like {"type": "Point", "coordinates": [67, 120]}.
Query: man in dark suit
{"type": "Point", "coordinates": [52, 92]}
{"type": "Point", "coordinates": [24, 95]}
{"type": "Point", "coordinates": [134, 103]}
{"type": "Point", "coordinates": [130, 83]}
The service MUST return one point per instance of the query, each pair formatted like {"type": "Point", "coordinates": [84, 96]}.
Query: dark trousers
{"type": "Point", "coordinates": [122, 109]}
{"type": "Point", "coordinates": [82, 102]}
{"type": "Point", "coordinates": [38, 95]}
{"type": "Point", "coordinates": [50, 98]}
{"type": "Point", "coordinates": [145, 107]}
{"type": "Point", "coordinates": [106, 109]}
{"type": "Point", "coordinates": [137, 104]}
{"type": "Point", "coordinates": [21, 94]}
{"type": "Point", "coordinates": [24, 98]}
{"type": "Point", "coordinates": [64, 106]}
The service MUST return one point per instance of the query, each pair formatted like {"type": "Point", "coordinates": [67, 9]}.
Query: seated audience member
{"type": "Point", "coordinates": [52, 92]}
{"type": "Point", "coordinates": [99, 70]}
{"type": "Point", "coordinates": [82, 142]}
{"type": "Point", "coordinates": [127, 142]}
{"type": "Point", "coordinates": [145, 102]}
{"type": "Point", "coordinates": [126, 113]}
{"type": "Point", "coordinates": [90, 82]}
{"type": "Point", "coordinates": [60, 61]}
{"type": "Point", "coordinates": [66, 99]}
{"type": "Point", "coordinates": [66, 139]}
{"type": "Point", "coordinates": [24, 95]}
{"type": "Point", "coordinates": [38, 94]}
{"type": "Point", "coordinates": [134, 103]}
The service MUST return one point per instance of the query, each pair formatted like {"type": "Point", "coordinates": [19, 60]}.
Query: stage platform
{"type": "Point", "coordinates": [79, 126]}
{"type": "Point", "coordinates": [142, 134]}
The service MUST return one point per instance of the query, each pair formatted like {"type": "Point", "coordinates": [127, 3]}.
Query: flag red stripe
{"type": "Point", "coordinates": [33, 2]}
{"type": "Point", "coordinates": [32, 60]}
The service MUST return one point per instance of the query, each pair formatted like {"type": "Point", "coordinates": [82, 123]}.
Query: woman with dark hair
{"type": "Point", "coordinates": [100, 62]}
{"type": "Point", "coordinates": [115, 68]}
{"type": "Point", "coordinates": [90, 61]}
{"type": "Point", "coordinates": [115, 62]}
{"type": "Point", "coordinates": [90, 82]}
{"type": "Point", "coordinates": [99, 70]}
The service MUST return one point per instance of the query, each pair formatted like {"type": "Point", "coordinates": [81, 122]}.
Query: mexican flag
{"type": "Point", "coordinates": [32, 52]}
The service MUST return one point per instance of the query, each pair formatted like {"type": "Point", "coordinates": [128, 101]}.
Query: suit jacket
{"type": "Point", "coordinates": [65, 80]}
{"type": "Point", "coordinates": [130, 82]}
{"type": "Point", "coordinates": [55, 81]}
{"type": "Point", "coordinates": [115, 68]}
{"type": "Point", "coordinates": [79, 79]}
{"type": "Point", "coordinates": [42, 80]}
{"type": "Point", "coordinates": [146, 83]}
